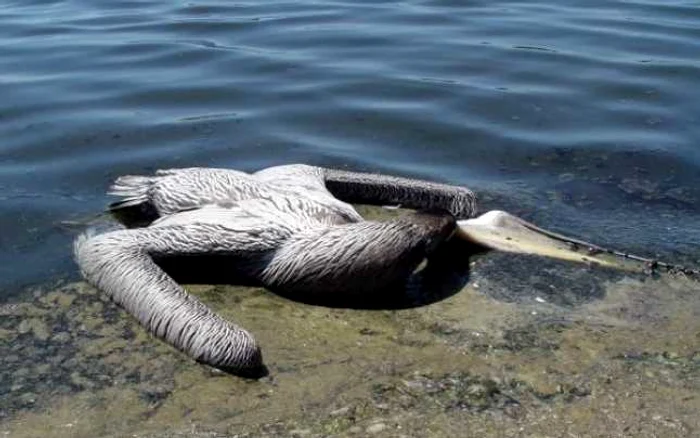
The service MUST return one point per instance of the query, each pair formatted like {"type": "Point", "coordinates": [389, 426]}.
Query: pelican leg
{"type": "Point", "coordinates": [120, 263]}
{"type": "Point", "coordinates": [342, 263]}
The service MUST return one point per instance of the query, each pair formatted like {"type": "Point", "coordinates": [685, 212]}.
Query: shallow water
{"type": "Point", "coordinates": [581, 117]}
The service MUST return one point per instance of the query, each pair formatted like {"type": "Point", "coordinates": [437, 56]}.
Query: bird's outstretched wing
{"type": "Point", "coordinates": [122, 263]}
{"type": "Point", "coordinates": [171, 191]}
{"type": "Point", "coordinates": [148, 198]}
{"type": "Point", "coordinates": [376, 189]}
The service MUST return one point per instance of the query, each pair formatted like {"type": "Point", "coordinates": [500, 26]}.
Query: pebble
{"type": "Point", "coordinates": [28, 398]}
{"type": "Point", "coordinates": [80, 381]}
{"type": "Point", "coordinates": [61, 337]}
{"type": "Point", "coordinates": [376, 428]}
{"type": "Point", "coordinates": [35, 325]}
{"type": "Point", "coordinates": [341, 411]}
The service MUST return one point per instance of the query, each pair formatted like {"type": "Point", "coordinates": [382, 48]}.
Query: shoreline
{"type": "Point", "coordinates": [622, 361]}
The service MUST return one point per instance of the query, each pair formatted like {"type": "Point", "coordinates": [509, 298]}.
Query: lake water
{"type": "Point", "coordinates": [584, 116]}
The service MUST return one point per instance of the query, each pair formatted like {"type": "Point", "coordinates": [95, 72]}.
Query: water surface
{"type": "Point", "coordinates": [582, 116]}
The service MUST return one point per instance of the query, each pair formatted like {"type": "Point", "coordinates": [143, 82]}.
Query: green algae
{"type": "Point", "coordinates": [620, 358]}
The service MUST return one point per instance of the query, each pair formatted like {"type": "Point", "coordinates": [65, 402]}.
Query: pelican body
{"type": "Point", "coordinates": [288, 228]}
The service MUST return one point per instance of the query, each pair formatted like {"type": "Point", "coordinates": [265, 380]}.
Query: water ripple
{"type": "Point", "coordinates": [540, 105]}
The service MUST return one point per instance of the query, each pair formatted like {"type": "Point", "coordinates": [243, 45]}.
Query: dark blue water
{"type": "Point", "coordinates": [584, 116]}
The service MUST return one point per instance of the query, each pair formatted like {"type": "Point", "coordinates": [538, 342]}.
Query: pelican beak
{"type": "Point", "coordinates": [504, 232]}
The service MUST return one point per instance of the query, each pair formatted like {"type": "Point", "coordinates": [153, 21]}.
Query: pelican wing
{"type": "Point", "coordinates": [375, 189]}
{"type": "Point", "coordinates": [171, 191]}
{"type": "Point", "coordinates": [121, 263]}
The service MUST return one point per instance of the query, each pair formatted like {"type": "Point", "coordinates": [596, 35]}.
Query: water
{"type": "Point", "coordinates": [584, 117]}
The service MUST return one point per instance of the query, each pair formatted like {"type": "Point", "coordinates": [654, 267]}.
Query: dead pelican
{"type": "Point", "coordinates": [290, 228]}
